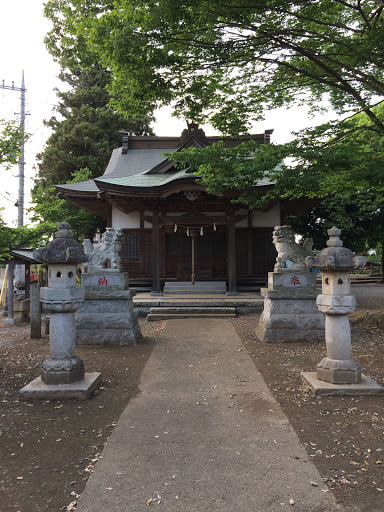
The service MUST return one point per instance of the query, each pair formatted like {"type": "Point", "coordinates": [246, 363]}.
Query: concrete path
{"type": "Point", "coordinates": [204, 434]}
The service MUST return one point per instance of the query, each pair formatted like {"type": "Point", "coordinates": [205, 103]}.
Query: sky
{"type": "Point", "coordinates": [22, 31]}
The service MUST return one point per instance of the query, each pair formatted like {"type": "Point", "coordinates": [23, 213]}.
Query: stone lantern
{"type": "Point", "coordinates": [337, 373]}
{"type": "Point", "coordinates": [62, 375]}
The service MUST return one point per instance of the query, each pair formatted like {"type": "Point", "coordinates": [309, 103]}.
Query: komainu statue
{"type": "Point", "coordinates": [287, 249]}
{"type": "Point", "coordinates": [107, 253]}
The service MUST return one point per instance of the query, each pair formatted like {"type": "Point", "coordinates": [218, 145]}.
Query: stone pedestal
{"type": "Point", "coordinates": [107, 317]}
{"type": "Point", "coordinates": [290, 312]}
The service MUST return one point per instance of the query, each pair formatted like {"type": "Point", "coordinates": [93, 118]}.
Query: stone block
{"type": "Point", "coordinates": [21, 311]}
{"type": "Point", "coordinates": [21, 306]}
{"type": "Point", "coordinates": [99, 321]}
{"type": "Point", "coordinates": [288, 335]}
{"type": "Point", "coordinates": [299, 293]}
{"type": "Point", "coordinates": [105, 280]}
{"type": "Point", "coordinates": [61, 295]}
{"type": "Point", "coordinates": [339, 376]}
{"type": "Point", "coordinates": [335, 283]}
{"type": "Point", "coordinates": [106, 307]}
{"type": "Point", "coordinates": [290, 306]}
{"type": "Point", "coordinates": [108, 337]}
{"type": "Point", "coordinates": [110, 294]}
{"type": "Point", "coordinates": [62, 276]}
{"type": "Point", "coordinates": [37, 390]}
{"type": "Point", "coordinates": [62, 371]}
{"type": "Point", "coordinates": [339, 371]}
{"type": "Point", "coordinates": [107, 317]}
{"type": "Point", "coordinates": [280, 321]}
{"type": "Point", "coordinates": [336, 304]}
{"type": "Point", "coordinates": [311, 321]}
{"type": "Point", "coordinates": [291, 280]}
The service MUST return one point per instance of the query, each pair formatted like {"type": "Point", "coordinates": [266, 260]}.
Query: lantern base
{"type": "Point", "coordinates": [338, 371]}
{"type": "Point", "coordinates": [62, 371]}
{"type": "Point", "coordinates": [37, 390]}
{"type": "Point", "coordinates": [366, 386]}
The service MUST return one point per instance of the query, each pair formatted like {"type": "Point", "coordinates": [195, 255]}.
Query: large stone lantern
{"type": "Point", "coordinates": [62, 375]}
{"type": "Point", "coordinates": [337, 373]}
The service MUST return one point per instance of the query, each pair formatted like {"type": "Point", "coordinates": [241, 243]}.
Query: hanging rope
{"type": "Point", "coordinates": [188, 227]}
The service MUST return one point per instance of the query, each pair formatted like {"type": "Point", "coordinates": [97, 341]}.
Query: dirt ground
{"type": "Point", "coordinates": [343, 435]}
{"type": "Point", "coordinates": [49, 448]}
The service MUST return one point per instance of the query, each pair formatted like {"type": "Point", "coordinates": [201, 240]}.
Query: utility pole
{"type": "Point", "coordinates": [20, 200]}
{"type": "Point", "coordinates": [20, 269]}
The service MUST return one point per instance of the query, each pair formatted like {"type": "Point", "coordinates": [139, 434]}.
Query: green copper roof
{"type": "Point", "coordinates": [144, 180]}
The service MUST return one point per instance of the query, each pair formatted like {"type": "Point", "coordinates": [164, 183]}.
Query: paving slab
{"type": "Point", "coordinates": [204, 434]}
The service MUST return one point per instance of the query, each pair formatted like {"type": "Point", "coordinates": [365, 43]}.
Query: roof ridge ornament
{"type": "Point", "coordinates": [125, 137]}
{"type": "Point", "coordinates": [193, 131]}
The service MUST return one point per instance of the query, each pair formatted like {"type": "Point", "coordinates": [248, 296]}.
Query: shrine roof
{"type": "Point", "coordinates": [134, 162]}
{"type": "Point", "coordinates": [144, 179]}
{"type": "Point", "coordinates": [141, 163]}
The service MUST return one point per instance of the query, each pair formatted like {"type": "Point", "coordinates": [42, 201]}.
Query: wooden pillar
{"type": "Point", "coordinates": [156, 289]}
{"type": "Point", "coordinates": [250, 245]}
{"type": "Point", "coordinates": [10, 320]}
{"type": "Point", "coordinates": [231, 251]}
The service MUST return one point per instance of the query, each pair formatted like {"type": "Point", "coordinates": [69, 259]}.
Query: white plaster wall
{"type": "Point", "coordinates": [125, 220]}
{"type": "Point", "coordinates": [242, 223]}
{"type": "Point", "coordinates": [147, 225]}
{"type": "Point", "coordinates": [268, 219]}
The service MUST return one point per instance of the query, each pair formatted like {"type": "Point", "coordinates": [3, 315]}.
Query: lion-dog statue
{"type": "Point", "coordinates": [107, 253]}
{"type": "Point", "coordinates": [287, 249]}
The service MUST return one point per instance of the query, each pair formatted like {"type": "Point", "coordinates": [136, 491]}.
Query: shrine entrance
{"type": "Point", "coordinates": [203, 256]}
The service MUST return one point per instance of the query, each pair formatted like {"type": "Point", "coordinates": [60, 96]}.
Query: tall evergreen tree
{"type": "Point", "coordinates": [85, 131]}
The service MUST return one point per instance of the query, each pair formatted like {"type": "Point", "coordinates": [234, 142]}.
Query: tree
{"type": "Point", "coordinates": [86, 130]}
{"type": "Point", "coordinates": [84, 135]}
{"type": "Point", "coordinates": [360, 216]}
{"type": "Point", "coordinates": [321, 161]}
{"type": "Point", "coordinates": [49, 209]}
{"type": "Point", "coordinates": [23, 237]}
{"type": "Point", "coordinates": [227, 62]}
{"type": "Point", "coordinates": [11, 139]}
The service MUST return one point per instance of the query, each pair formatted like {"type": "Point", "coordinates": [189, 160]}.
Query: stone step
{"type": "Point", "coordinates": [158, 316]}
{"type": "Point", "coordinates": [194, 310]}
{"type": "Point", "coordinates": [196, 291]}
{"type": "Point", "coordinates": [200, 287]}
{"type": "Point", "coordinates": [198, 284]}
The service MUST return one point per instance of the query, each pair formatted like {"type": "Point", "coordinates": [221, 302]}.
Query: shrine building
{"type": "Point", "coordinates": [173, 229]}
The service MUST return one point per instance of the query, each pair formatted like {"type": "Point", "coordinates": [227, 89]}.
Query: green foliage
{"type": "Point", "coordinates": [227, 62]}
{"type": "Point", "coordinates": [23, 237]}
{"type": "Point", "coordinates": [50, 209]}
{"type": "Point", "coordinates": [86, 131]}
{"type": "Point", "coordinates": [360, 216]}
{"type": "Point", "coordinates": [11, 139]}
{"type": "Point", "coordinates": [84, 134]}
{"type": "Point", "coordinates": [328, 159]}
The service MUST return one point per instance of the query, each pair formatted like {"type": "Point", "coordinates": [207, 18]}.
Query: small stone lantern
{"type": "Point", "coordinates": [62, 375]}
{"type": "Point", "coordinates": [337, 368]}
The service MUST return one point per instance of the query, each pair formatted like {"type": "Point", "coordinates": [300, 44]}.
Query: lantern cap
{"type": "Point", "coordinates": [335, 257]}
{"type": "Point", "coordinates": [63, 249]}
